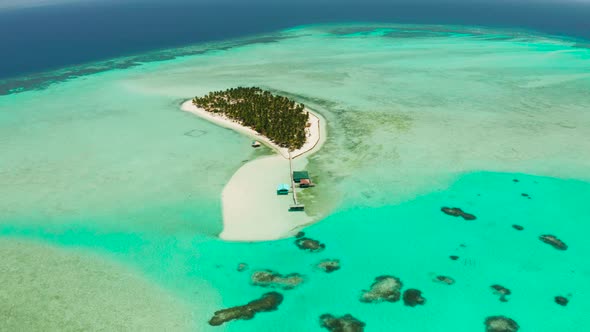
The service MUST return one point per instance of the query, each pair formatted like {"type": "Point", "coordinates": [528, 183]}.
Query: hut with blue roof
{"type": "Point", "coordinates": [283, 189]}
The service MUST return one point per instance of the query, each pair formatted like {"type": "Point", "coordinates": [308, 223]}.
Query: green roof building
{"type": "Point", "coordinates": [300, 175]}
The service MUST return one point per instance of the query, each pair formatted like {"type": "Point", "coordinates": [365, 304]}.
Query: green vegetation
{"type": "Point", "coordinates": [280, 119]}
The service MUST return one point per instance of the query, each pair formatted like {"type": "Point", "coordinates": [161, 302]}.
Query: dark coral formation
{"type": "Point", "coordinates": [444, 280]}
{"type": "Point", "coordinates": [346, 323]}
{"type": "Point", "coordinates": [502, 292]}
{"type": "Point", "coordinates": [312, 245]}
{"type": "Point", "coordinates": [300, 234]}
{"type": "Point", "coordinates": [500, 324]}
{"type": "Point", "coordinates": [268, 302]}
{"type": "Point", "coordinates": [272, 279]}
{"type": "Point", "coordinates": [453, 257]}
{"type": "Point", "coordinates": [518, 227]}
{"type": "Point", "coordinates": [515, 181]}
{"type": "Point", "coordinates": [242, 267]}
{"type": "Point", "coordinates": [329, 265]}
{"type": "Point", "coordinates": [561, 300]}
{"type": "Point", "coordinates": [457, 212]}
{"type": "Point", "coordinates": [413, 297]}
{"type": "Point", "coordinates": [384, 288]}
{"type": "Point", "coordinates": [553, 241]}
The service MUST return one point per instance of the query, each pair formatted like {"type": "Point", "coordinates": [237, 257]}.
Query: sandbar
{"type": "Point", "coordinates": [251, 209]}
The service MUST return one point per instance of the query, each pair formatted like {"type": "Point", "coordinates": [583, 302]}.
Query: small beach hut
{"type": "Point", "coordinates": [297, 207]}
{"type": "Point", "coordinates": [283, 189]}
{"type": "Point", "coordinates": [299, 175]}
{"type": "Point", "coordinates": [255, 144]}
{"type": "Point", "coordinates": [304, 183]}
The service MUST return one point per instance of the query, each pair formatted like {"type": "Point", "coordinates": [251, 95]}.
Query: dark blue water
{"type": "Point", "coordinates": [40, 39]}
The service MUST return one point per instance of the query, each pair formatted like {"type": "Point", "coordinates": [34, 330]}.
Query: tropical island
{"type": "Point", "coordinates": [256, 212]}
{"type": "Point", "coordinates": [279, 118]}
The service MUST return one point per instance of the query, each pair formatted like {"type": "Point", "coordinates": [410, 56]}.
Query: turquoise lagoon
{"type": "Point", "coordinates": [106, 185]}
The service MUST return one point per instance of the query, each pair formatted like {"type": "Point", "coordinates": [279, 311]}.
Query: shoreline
{"type": "Point", "coordinates": [255, 212]}
{"type": "Point", "coordinates": [312, 143]}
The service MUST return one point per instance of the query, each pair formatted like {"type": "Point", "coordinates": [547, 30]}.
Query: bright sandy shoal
{"type": "Point", "coordinates": [252, 211]}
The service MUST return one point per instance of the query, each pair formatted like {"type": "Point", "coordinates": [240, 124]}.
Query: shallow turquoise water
{"type": "Point", "coordinates": [419, 118]}
{"type": "Point", "coordinates": [413, 241]}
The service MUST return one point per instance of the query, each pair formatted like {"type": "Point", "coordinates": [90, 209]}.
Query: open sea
{"type": "Point", "coordinates": [110, 194]}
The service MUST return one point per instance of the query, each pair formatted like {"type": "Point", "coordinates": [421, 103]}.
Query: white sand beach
{"type": "Point", "coordinates": [252, 211]}
{"type": "Point", "coordinates": [312, 143]}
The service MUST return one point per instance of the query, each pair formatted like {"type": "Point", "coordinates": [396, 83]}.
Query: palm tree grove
{"type": "Point", "coordinates": [279, 118]}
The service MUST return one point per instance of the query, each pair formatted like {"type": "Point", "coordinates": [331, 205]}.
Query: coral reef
{"type": "Point", "coordinates": [553, 241]}
{"type": "Point", "coordinates": [268, 302]}
{"type": "Point", "coordinates": [518, 227]}
{"type": "Point", "coordinates": [561, 300]}
{"type": "Point", "coordinates": [268, 278]}
{"type": "Point", "coordinates": [413, 297]}
{"type": "Point", "coordinates": [384, 288]}
{"type": "Point", "coordinates": [502, 292]}
{"type": "Point", "coordinates": [457, 212]}
{"type": "Point", "coordinates": [308, 244]}
{"type": "Point", "coordinates": [346, 323]}
{"type": "Point", "coordinates": [329, 265]}
{"type": "Point", "coordinates": [444, 280]}
{"type": "Point", "coordinates": [242, 267]}
{"type": "Point", "coordinates": [453, 257]}
{"type": "Point", "coordinates": [501, 324]}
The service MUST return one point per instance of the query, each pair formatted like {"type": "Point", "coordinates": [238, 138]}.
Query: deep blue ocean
{"type": "Point", "coordinates": [45, 38]}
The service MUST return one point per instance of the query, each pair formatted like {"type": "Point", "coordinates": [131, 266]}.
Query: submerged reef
{"type": "Point", "coordinates": [308, 244]}
{"type": "Point", "coordinates": [384, 288]}
{"type": "Point", "coordinates": [268, 278]}
{"type": "Point", "coordinates": [561, 300]}
{"type": "Point", "coordinates": [553, 241]}
{"type": "Point", "coordinates": [502, 292]}
{"type": "Point", "coordinates": [457, 212]}
{"type": "Point", "coordinates": [453, 257]}
{"type": "Point", "coordinates": [413, 297]}
{"type": "Point", "coordinates": [329, 265]}
{"type": "Point", "coordinates": [300, 234]}
{"type": "Point", "coordinates": [444, 280]}
{"type": "Point", "coordinates": [242, 267]}
{"type": "Point", "coordinates": [268, 302]}
{"type": "Point", "coordinates": [500, 324]}
{"type": "Point", "coordinates": [518, 227]}
{"type": "Point", "coordinates": [346, 323]}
